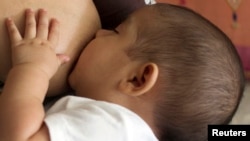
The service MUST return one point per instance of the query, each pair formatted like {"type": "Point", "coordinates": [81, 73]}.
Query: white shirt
{"type": "Point", "coordinates": [149, 2]}
{"type": "Point", "coordinates": [81, 119]}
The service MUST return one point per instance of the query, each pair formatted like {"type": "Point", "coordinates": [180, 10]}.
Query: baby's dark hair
{"type": "Point", "coordinates": [201, 79]}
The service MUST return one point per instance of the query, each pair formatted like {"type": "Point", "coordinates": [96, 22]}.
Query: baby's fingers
{"type": "Point", "coordinates": [54, 32]}
{"type": "Point", "coordinates": [30, 25]}
{"type": "Point", "coordinates": [43, 25]}
{"type": "Point", "coordinates": [13, 32]}
{"type": "Point", "coordinates": [63, 58]}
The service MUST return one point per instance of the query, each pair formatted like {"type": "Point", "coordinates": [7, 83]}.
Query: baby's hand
{"type": "Point", "coordinates": [37, 47]}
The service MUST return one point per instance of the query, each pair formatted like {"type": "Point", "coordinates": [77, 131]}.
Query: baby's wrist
{"type": "Point", "coordinates": [31, 70]}
{"type": "Point", "coordinates": [26, 80]}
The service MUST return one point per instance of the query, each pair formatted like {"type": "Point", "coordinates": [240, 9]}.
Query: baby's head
{"type": "Point", "coordinates": [171, 59]}
{"type": "Point", "coordinates": [200, 79]}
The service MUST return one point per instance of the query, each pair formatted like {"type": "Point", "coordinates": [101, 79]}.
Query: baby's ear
{"type": "Point", "coordinates": [142, 80]}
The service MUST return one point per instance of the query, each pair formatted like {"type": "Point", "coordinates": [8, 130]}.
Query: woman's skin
{"type": "Point", "coordinates": [78, 19]}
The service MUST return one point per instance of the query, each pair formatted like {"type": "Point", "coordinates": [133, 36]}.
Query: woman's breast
{"type": "Point", "coordinates": [78, 23]}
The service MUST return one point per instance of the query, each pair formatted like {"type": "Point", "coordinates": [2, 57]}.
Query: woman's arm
{"type": "Point", "coordinates": [34, 64]}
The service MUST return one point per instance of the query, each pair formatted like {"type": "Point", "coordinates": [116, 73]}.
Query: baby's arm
{"type": "Point", "coordinates": [34, 63]}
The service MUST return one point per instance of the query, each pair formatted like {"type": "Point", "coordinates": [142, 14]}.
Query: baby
{"type": "Point", "coordinates": [165, 73]}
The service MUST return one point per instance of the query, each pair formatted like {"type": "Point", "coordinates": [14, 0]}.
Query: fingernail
{"type": "Point", "coordinates": [43, 10]}
{"type": "Point", "coordinates": [8, 20]}
{"type": "Point", "coordinates": [29, 10]}
{"type": "Point", "coordinates": [67, 59]}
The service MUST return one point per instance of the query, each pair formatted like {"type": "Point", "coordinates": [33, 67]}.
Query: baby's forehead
{"type": "Point", "coordinates": [141, 16]}
{"type": "Point", "coordinates": [145, 12]}
{"type": "Point", "coordinates": [138, 21]}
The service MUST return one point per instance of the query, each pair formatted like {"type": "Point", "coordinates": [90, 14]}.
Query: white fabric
{"type": "Point", "coordinates": [80, 119]}
{"type": "Point", "coordinates": [148, 2]}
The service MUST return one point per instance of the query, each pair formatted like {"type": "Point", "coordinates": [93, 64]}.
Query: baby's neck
{"type": "Point", "coordinates": [144, 109]}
